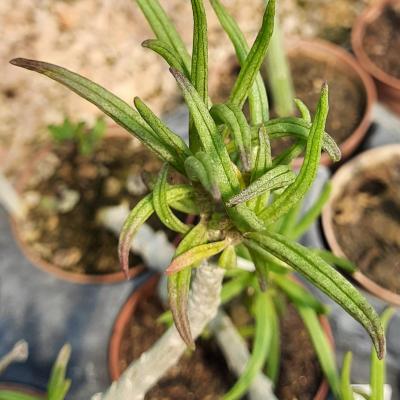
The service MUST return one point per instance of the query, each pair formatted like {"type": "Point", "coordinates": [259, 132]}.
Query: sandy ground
{"type": "Point", "coordinates": [101, 40]}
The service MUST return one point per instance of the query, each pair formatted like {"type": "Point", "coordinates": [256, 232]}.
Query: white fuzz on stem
{"type": "Point", "coordinates": [145, 372]}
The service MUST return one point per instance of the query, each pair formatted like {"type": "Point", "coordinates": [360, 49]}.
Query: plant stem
{"type": "Point", "coordinates": [144, 372]}
{"type": "Point", "coordinates": [10, 199]}
{"type": "Point", "coordinates": [237, 356]}
{"type": "Point", "coordinates": [19, 353]}
{"type": "Point", "coordinates": [278, 74]}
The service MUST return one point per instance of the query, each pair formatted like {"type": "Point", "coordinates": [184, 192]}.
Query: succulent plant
{"type": "Point", "coordinates": [244, 197]}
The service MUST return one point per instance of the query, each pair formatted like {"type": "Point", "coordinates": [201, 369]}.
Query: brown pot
{"type": "Point", "coordinates": [339, 181]}
{"type": "Point", "coordinates": [21, 389]}
{"type": "Point", "coordinates": [144, 292]}
{"type": "Point", "coordinates": [340, 59]}
{"type": "Point", "coordinates": [388, 86]}
{"type": "Point", "coordinates": [35, 259]}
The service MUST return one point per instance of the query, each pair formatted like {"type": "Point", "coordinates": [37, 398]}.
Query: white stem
{"type": "Point", "coordinates": [152, 246]}
{"type": "Point", "coordinates": [10, 199]}
{"type": "Point", "coordinates": [19, 353]}
{"type": "Point", "coordinates": [237, 356]}
{"type": "Point", "coordinates": [145, 372]}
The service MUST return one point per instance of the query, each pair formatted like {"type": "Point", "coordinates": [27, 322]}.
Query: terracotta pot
{"type": "Point", "coordinates": [339, 181]}
{"type": "Point", "coordinates": [22, 390]}
{"type": "Point", "coordinates": [35, 259]}
{"type": "Point", "coordinates": [388, 86]}
{"type": "Point", "coordinates": [341, 60]}
{"type": "Point", "coordinates": [144, 292]}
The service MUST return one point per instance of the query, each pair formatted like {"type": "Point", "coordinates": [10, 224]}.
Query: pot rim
{"type": "Point", "coordinates": [357, 35]}
{"type": "Point", "coordinates": [145, 291]}
{"type": "Point", "coordinates": [329, 50]}
{"type": "Point", "coordinates": [363, 161]}
{"type": "Point", "coordinates": [113, 130]}
{"type": "Point", "coordinates": [25, 389]}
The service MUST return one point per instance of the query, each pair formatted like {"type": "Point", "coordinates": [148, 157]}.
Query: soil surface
{"type": "Point", "coordinates": [382, 41]}
{"type": "Point", "coordinates": [300, 374]}
{"type": "Point", "coordinates": [366, 220]}
{"type": "Point", "coordinates": [201, 375]}
{"type": "Point", "coordinates": [346, 100]}
{"type": "Point", "coordinates": [64, 194]}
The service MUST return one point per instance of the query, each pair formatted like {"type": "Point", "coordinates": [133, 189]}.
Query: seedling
{"type": "Point", "coordinates": [84, 138]}
{"type": "Point", "coordinates": [244, 198]}
{"type": "Point", "coordinates": [58, 385]}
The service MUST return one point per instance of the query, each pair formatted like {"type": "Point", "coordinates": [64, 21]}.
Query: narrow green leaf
{"type": "Point", "coordinates": [210, 167]}
{"type": "Point", "coordinates": [258, 100]}
{"type": "Point", "coordinates": [322, 347]}
{"type": "Point", "coordinates": [295, 192]}
{"type": "Point", "coordinates": [195, 255]}
{"type": "Point", "coordinates": [199, 75]}
{"type": "Point", "coordinates": [299, 129]}
{"type": "Point", "coordinates": [312, 214]}
{"type": "Point", "coordinates": [324, 277]}
{"type": "Point", "coordinates": [176, 144]}
{"type": "Point", "coordinates": [263, 161]}
{"type": "Point", "coordinates": [235, 120]}
{"type": "Point", "coordinates": [378, 368]}
{"type": "Point", "coordinates": [164, 29]}
{"type": "Point", "coordinates": [196, 172]}
{"type": "Point", "coordinates": [110, 104]}
{"type": "Point", "coordinates": [251, 66]}
{"type": "Point", "coordinates": [279, 177]}
{"type": "Point", "coordinates": [139, 215]}
{"type": "Point", "coordinates": [168, 54]}
{"type": "Point", "coordinates": [58, 386]}
{"type": "Point", "coordinates": [304, 111]}
{"type": "Point", "coordinates": [161, 206]}
{"type": "Point", "coordinates": [342, 263]}
{"type": "Point", "coordinates": [15, 395]}
{"type": "Point", "coordinates": [234, 287]}
{"type": "Point", "coordinates": [179, 283]}
{"type": "Point", "coordinates": [288, 155]}
{"type": "Point", "coordinates": [297, 294]}
{"type": "Point", "coordinates": [274, 356]}
{"type": "Point", "coordinates": [264, 308]}
{"type": "Point", "coordinates": [228, 259]}
{"type": "Point", "coordinates": [262, 270]}
{"type": "Point", "coordinates": [345, 383]}
{"type": "Point", "coordinates": [210, 138]}
{"type": "Point", "coordinates": [289, 220]}
{"type": "Point", "coordinates": [262, 164]}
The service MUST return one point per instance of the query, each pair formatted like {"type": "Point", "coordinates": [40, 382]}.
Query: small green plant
{"type": "Point", "coordinates": [85, 138]}
{"type": "Point", "coordinates": [245, 200]}
{"type": "Point", "coordinates": [377, 371]}
{"type": "Point", "coordinates": [58, 385]}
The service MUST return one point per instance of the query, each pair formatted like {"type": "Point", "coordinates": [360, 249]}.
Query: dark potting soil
{"type": "Point", "coordinates": [66, 190]}
{"type": "Point", "coordinates": [199, 375]}
{"type": "Point", "coordinates": [300, 374]}
{"type": "Point", "coordinates": [382, 40]}
{"type": "Point", "coordinates": [366, 220]}
{"type": "Point", "coordinates": [346, 100]}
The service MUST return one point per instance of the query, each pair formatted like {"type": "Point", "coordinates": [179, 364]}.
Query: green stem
{"type": "Point", "coordinates": [279, 75]}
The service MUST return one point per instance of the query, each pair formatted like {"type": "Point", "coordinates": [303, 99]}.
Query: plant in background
{"type": "Point", "coordinates": [86, 139]}
{"type": "Point", "coordinates": [58, 385]}
{"type": "Point", "coordinates": [245, 199]}
{"type": "Point", "coordinates": [377, 371]}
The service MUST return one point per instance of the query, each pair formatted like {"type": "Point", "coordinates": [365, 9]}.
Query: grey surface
{"type": "Point", "coordinates": [48, 312]}
{"type": "Point", "coordinates": [349, 335]}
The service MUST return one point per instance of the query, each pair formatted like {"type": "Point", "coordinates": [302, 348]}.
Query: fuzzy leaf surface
{"type": "Point", "coordinates": [179, 283]}
{"type": "Point", "coordinates": [324, 277]}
